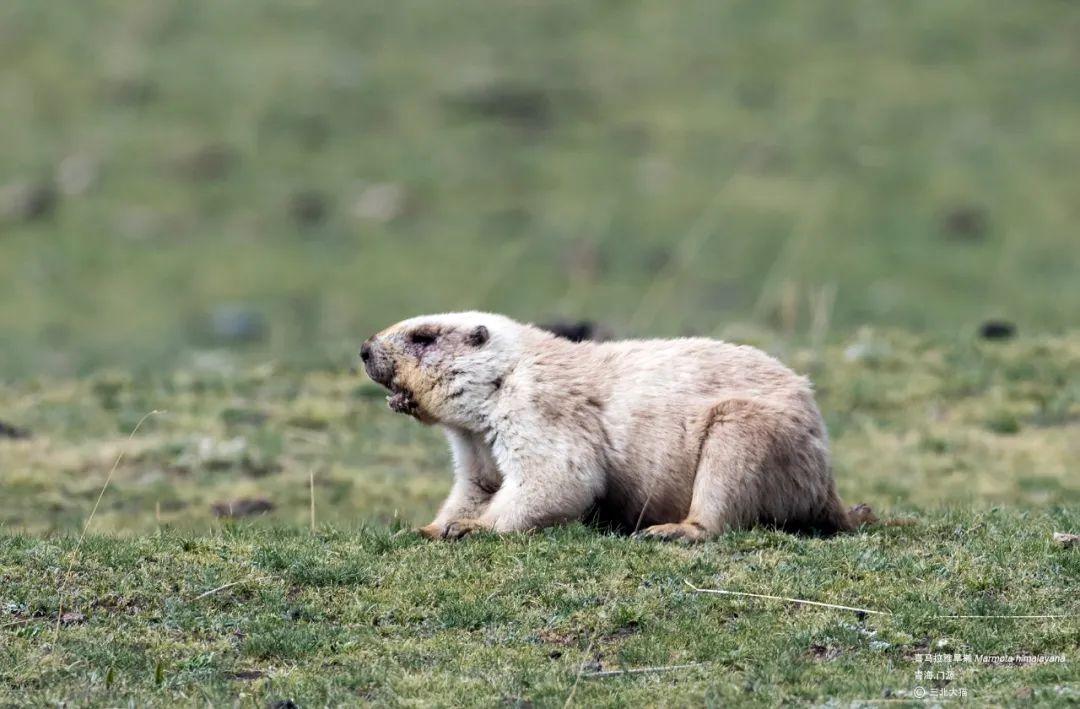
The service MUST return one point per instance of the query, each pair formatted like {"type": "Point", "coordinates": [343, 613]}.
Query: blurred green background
{"type": "Point", "coordinates": [285, 177]}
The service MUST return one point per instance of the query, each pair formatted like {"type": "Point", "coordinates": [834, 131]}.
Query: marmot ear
{"type": "Point", "coordinates": [478, 336]}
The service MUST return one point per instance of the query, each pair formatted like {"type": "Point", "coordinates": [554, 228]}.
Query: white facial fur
{"type": "Point", "coordinates": [452, 378]}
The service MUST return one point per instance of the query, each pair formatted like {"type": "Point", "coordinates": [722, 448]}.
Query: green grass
{"type": "Point", "coordinates": [340, 617]}
{"type": "Point", "coordinates": [665, 168]}
{"type": "Point", "coordinates": [372, 616]}
{"type": "Point", "coordinates": [361, 611]}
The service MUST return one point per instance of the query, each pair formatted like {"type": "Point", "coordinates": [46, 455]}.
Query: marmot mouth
{"type": "Point", "coordinates": [401, 401]}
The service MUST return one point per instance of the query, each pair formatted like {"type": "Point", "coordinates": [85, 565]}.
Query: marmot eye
{"type": "Point", "coordinates": [422, 337]}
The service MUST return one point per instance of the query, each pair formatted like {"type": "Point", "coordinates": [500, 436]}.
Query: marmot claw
{"type": "Point", "coordinates": [459, 528]}
{"type": "Point", "coordinates": [672, 532]}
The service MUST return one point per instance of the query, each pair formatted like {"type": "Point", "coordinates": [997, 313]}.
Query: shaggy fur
{"type": "Point", "coordinates": [680, 439]}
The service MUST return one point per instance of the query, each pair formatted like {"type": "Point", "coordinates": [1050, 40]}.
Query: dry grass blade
{"type": "Point", "coordinates": [787, 599]}
{"type": "Point", "coordinates": [853, 608]}
{"type": "Point", "coordinates": [311, 482]}
{"type": "Point", "coordinates": [90, 518]}
{"type": "Point", "coordinates": [580, 672]}
{"type": "Point", "coordinates": [642, 670]}
{"type": "Point", "coordinates": [1073, 615]}
{"type": "Point", "coordinates": [641, 515]}
{"type": "Point", "coordinates": [222, 587]}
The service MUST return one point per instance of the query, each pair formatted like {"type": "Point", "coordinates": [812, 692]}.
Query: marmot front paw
{"type": "Point", "coordinates": [673, 532]}
{"type": "Point", "coordinates": [432, 531]}
{"type": "Point", "coordinates": [451, 530]}
{"type": "Point", "coordinates": [459, 528]}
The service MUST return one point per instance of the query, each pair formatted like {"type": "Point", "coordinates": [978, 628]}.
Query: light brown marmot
{"type": "Point", "coordinates": [674, 439]}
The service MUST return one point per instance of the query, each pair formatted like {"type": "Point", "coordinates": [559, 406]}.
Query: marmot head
{"type": "Point", "coordinates": [443, 368]}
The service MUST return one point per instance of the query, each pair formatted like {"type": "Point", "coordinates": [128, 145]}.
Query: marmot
{"type": "Point", "coordinates": [673, 439]}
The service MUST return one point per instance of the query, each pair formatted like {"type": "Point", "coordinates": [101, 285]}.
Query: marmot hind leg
{"type": "Point", "coordinates": [759, 464]}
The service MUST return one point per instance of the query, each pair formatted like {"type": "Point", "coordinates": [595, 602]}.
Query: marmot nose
{"type": "Point", "coordinates": [365, 351]}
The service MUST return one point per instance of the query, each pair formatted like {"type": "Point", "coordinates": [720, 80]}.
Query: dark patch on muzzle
{"type": "Point", "coordinates": [378, 365]}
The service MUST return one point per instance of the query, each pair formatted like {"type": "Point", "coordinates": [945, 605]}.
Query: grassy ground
{"type": "Point", "coordinates": [975, 441]}
{"type": "Point", "coordinates": [368, 615]}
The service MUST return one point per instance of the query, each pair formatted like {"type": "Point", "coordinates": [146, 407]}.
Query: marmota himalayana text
{"type": "Point", "coordinates": [680, 439]}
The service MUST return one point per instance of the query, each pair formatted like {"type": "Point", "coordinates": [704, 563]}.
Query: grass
{"type": "Point", "coordinates": [172, 604]}
{"type": "Point", "coordinates": [371, 615]}
{"type": "Point", "coordinates": [542, 160]}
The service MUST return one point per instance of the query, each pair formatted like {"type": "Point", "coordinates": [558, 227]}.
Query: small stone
{"type": "Point", "coordinates": [220, 454]}
{"type": "Point", "coordinates": [72, 617]}
{"type": "Point", "coordinates": [7, 430]}
{"type": "Point", "coordinates": [867, 350]}
{"type": "Point", "coordinates": [248, 674]}
{"type": "Point", "coordinates": [27, 201]}
{"type": "Point", "coordinates": [510, 103]}
{"type": "Point", "coordinates": [382, 202]}
{"type": "Point", "coordinates": [997, 330]}
{"type": "Point", "coordinates": [242, 507]}
{"type": "Point", "coordinates": [236, 324]}
{"type": "Point", "coordinates": [824, 653]}
{"type": "Point", "coordinates": [308, 207]}
{"type": "Point", "coordinates": [129, 90]}
{"type": "Point", "coordinates": [966, 222]}
{"type": "Point", "coordinates": [211, 161]}
{"type": "Point", "coordinates": [140, 223]}
{"type": "Point", "coordinates": [76, 174]}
